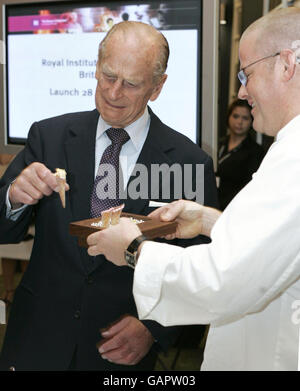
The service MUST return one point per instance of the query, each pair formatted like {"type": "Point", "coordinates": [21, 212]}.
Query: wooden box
{"type": "Point", "coordinates": [149, 227]}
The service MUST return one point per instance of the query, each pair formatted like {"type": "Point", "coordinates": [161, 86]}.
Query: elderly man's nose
{"type": "Point", "coordinates": [116, 90]}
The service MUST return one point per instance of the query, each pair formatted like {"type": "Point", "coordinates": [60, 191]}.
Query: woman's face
{"type": "Point", "coordinates": [240, 121]}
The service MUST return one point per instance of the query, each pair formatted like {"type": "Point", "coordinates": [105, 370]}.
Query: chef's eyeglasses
{"type": "Point", "coordinates": [243, 78]}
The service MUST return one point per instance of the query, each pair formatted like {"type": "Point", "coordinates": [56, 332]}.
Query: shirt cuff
{"type": "Point", "coordinates": [149, 274]}
{"type": "Point", "coordinates": [13, 214]}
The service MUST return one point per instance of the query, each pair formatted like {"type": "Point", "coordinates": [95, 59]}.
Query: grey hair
{"type": "Point", "coordinates": [145, 31]}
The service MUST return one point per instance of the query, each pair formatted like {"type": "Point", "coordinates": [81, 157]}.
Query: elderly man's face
{"type": "Point", "coordinates": [261, 89]}
{"type": "Point", "coordinates": [125, 82]}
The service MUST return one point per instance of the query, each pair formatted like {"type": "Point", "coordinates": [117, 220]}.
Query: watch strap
{"type": "Point", "coordinates": [134, 245]}
{"type": "Point", "coordinates": [132, 250]}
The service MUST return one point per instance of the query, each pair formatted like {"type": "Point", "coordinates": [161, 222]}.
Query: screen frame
{"type": "Point", "coordinates": [207, 118]}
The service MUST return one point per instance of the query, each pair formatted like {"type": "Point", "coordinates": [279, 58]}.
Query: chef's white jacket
{"type": "Point", "coordinates": [245, 283]}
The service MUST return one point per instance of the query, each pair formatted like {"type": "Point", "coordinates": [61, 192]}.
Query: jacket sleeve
{"type": "Point", "coordinates": [14, 231]}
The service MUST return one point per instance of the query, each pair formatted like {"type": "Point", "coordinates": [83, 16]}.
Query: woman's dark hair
{"type": "Point", "coordinates": [238, 103]}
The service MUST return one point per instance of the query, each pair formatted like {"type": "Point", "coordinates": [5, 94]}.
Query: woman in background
{"type": "Point", "coordinates": [239, 155]}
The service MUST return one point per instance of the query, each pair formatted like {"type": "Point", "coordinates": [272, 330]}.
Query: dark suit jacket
{"type": "Point", "coordinates": [66, 296]}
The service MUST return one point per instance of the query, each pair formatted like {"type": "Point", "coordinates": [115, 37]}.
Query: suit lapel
{"type": "Point", "coordinates": [80, 151]}
{"type": "Point", "coordinates": [154, 151]}
{"type": "Point", "coordinates": [80, 154]}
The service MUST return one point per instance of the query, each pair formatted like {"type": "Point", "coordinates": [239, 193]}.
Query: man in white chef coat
{"type": "Point", "coordinates": [246, 282]}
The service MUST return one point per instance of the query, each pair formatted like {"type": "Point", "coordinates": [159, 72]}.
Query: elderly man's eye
{"type": "Point", "coordinates": [109, 77]}
{"type": "Point", "coordinates": [129, 84]}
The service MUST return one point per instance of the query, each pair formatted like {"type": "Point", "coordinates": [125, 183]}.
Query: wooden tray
{"type": "Point", "coordinates": [149, 227]}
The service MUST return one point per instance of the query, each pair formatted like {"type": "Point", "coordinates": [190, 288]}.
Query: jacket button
{"type": "Point", "coordinates": [77, 314]}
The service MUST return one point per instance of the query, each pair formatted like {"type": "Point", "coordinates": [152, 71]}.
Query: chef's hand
{"type": "Point", "coordinates": [113, 241]}
{"type": "Point", "coordinates": [192, 219]}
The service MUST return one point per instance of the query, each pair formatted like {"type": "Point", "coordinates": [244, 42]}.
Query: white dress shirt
{"type": "Point", "coordinates": [130, 151]}
{"type": "Point", "coordinates": [246, 282]}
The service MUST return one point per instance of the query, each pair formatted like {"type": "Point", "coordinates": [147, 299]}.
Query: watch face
{"type": "Point", "coordinates": [130, 259]}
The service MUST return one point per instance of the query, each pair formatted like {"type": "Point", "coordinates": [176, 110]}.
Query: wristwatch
{"type": "Point", "coordinates": [131, 252]}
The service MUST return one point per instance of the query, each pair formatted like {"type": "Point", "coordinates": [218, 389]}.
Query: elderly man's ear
{"type": "Point", "coordinates": [157, 89]}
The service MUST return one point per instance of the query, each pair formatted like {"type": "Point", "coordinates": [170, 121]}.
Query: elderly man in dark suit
{"type": "Point", "coordinates": [68, 300]}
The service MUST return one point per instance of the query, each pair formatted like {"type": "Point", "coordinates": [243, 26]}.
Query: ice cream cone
{"type": "Point", "coordinates": [61, 181]}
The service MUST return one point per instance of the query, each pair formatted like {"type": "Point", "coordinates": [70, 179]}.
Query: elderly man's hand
{"type": "Point", "coordinates": [193, 219]}
{"type": "Point", "coordinates": [126, 342]}
{"type": "Point", "coordinates": [113, 241]}
{"type": "Point", "coordinates": [33, 183]}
